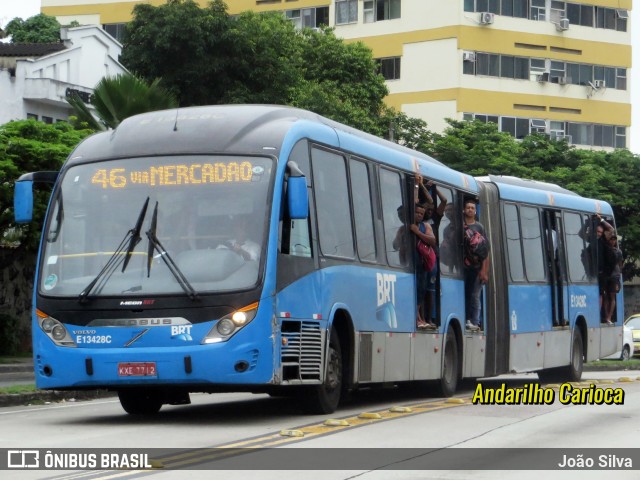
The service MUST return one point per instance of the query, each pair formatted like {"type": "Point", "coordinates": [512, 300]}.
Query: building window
{"type": "Point", "coordinates": [389, 68]}
{"type": "Point", "coordinates": [576, 13]}
{"type": "Point", "coordinates": [538, 11]}
{"type": "Point", "coordinates": [309, 17]}
{"type": "Point", "coordinates": [621, 137]}
{"type": "Point", "coordinates": [538, 126]}
{"type": "Point", "coordinates": [346, 11]}
{"type": "Point", "coordinates": [378, 10]}
{"type": "Point", "coordinates": [506, 66]}
{"type": "Point", "coordinates": [32, 116]}
{"type": "Point", "coordinates": [592, 134]}
{"type": "Point", "coordinates": [116, 30]}
{"type": "Point", "coordinates": [47, 119]}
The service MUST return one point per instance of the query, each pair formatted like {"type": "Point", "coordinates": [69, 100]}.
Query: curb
{"type": "Point", "coordinates": [16, 368]}
{"type": "Point", "coordinates": [52, 396]}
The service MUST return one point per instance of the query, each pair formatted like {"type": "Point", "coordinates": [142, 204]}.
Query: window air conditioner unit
{"type": "Point", "coordinates": [622, 13]}
{"type": "Point", "coordinates": [543, 77]}
{"type": "Point", "coordinates": [486, 18]}
{"type": "Point", "coordinates": [564, 80]}
{"type": "Point", "coordinates": [600, 83]}
{"type": "Point", "coordinates": [469, 56]}
{"type": "Point", "coordinates": [563, 25]}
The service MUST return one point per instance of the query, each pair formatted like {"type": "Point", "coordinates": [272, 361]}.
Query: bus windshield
{"type": "Point", "coordinates": [117, 227]}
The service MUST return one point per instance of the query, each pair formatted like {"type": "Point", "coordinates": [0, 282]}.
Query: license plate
{"type": "Point", "coordinates": [137, 369]}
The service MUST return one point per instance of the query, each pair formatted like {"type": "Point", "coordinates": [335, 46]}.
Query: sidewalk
{"type": "Point", "coordinates": [19, 371]}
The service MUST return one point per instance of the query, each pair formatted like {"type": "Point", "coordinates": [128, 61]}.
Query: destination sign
{"type": "Point", "coordinates": [177, 174]}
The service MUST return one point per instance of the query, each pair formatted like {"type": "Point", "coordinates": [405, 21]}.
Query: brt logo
{"type": "Point", "coordinates": [180, 330]}
{"type": "Point", "coordinates": [386, 286]}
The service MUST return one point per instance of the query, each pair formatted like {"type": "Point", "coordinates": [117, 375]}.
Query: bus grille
{"type": "Point", "coordinates": [302, 354]}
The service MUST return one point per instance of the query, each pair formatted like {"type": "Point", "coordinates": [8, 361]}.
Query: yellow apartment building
{"type": "Point", "coordinates": [528, 65]}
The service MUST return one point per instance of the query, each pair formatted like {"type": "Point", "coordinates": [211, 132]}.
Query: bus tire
{"type": "Point", "coordinates": [137, 401]}
{"type": "Point", "coordinates": [574, 370]}
{"type": "Point", "coordinates": [448, 382]}
{"type": "Point", "coordinates": [323, 399]}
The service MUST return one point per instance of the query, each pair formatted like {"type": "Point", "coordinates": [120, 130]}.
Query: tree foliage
{"type": "Point", "coordinates": [480, 149]}
{"type": "Point", "coordinates": [120, 97]}
{"type": "Point", "coordinates": [40, 28]}
{"type": "Point", "coordinates": [207, 57]}
{"type": "Point", "coordinates": [27, 146]}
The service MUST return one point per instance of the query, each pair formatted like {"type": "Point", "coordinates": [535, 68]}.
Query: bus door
{"type": "Point", "coordinates": [556, 266]}
{"type": "Point", "coordinates": [495, 302]}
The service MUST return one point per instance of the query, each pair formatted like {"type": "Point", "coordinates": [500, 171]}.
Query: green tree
{"type": "Point", "coordinates": [341, 81]}
{"type": "Point", "coordinates": [478, 148]}
{"type": "Point", "coordinates": [207, 57]}
{"type": "Point", "coordinates": [189, 47]}
{"type": "Point", "coordinates": [120, 97]}
{"type": "Point", "coordinates": [27, 146]}
{"type": "Point", "coordinates": [40, 28]}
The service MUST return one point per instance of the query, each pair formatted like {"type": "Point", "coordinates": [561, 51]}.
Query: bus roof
{"type": "Point", "coordinates": [546, 194]}
{"type": "Point", "coordinates": [248, 129]}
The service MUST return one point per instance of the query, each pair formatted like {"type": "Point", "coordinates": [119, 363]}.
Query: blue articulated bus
{"type": "Point", "coordinates": [255, 248]}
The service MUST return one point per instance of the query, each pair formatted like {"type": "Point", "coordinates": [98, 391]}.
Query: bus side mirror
{"type": "Point", "coordinates": [23, 201]}
{"type": "Point", "coordinates": [297, 198]}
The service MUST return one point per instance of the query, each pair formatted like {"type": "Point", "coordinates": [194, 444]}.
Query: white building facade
{"type": "Point", "coordinates": [36, 86]}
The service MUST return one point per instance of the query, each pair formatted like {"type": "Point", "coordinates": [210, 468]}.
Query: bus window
{"type": "Point", "coordinates": [449, 236]}
{"type": "Point", "coordinates": [514, 247]}
{"type": "Point", "coordinates": [332, 204]}
{"type": "Point", "coordinates": [362, 211]}
{"type": "Point", "coordinates": [578, 256]}
{"type": "Point", "coordinates": [532, 244]}
{"type": "Point", "coordinates": [295, 235]}
{"type": "Point", "coordinates": [392, 210]}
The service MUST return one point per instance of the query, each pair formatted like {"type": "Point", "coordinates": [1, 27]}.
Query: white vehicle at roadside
{"type": "Point", "coordinates": [627, 346]}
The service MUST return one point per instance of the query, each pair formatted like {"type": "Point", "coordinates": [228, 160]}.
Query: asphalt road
{"type": "Point", "coordinates": [193, 433]}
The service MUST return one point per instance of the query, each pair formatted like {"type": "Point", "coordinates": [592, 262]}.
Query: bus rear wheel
{"type": "Point", "coordinates": [137, 401]}
{"type": "Point", "coordinates": [448, 382]}
{"type": "Point", "coordinates": [325, 398]}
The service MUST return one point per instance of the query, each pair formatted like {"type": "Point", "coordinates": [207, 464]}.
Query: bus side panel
{"type": "Point", "coordinates": [584, 301]}
{"type": "Point", "coordinates": [426, 356]}
{"type": "Point", "coordinates": [557, 348]}
{"type": "Point", "coordinates": [397, 356]}
{"type": "Point", "coordinates": [475, 346]}
{"type": "Point", "coordinates": [381, 305]}
{"type": "Point", "coordinates": [527, 352]}
{"type": "Point", "coordinates": [610, 340]}
{"type": "Point", "coordinates": [530, 316]}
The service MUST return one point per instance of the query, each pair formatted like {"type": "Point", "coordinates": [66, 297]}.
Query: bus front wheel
{"type": "Point", "coordinates": [136, 401]}
{"type": "Point", "coordinates": [325, 398]}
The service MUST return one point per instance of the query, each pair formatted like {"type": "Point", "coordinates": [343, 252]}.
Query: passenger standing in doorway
{"type": "Point", "coordinates": [476, 268]}
{"type": "Point", "coordinates": [423, 232]}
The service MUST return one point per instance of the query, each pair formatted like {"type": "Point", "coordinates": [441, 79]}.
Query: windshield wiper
{"type": "Point", "coordinates": [115, 258]}
{"type": "Point", "coordinates": [135, 235]}
{"type": "Point", "coordinates": [53, 235]}
{"type": "Point", "coordinates": [155, 244]}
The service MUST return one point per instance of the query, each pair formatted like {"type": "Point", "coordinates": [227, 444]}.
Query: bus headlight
{"type": "Point", "coordinates": [225, 327]}
{"type": "Point", "coordinates": [54, 330]}
{"type": "Point", "coordinates": [228, 325]}
{"type": "Point", "coordinates": [58, 332]}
